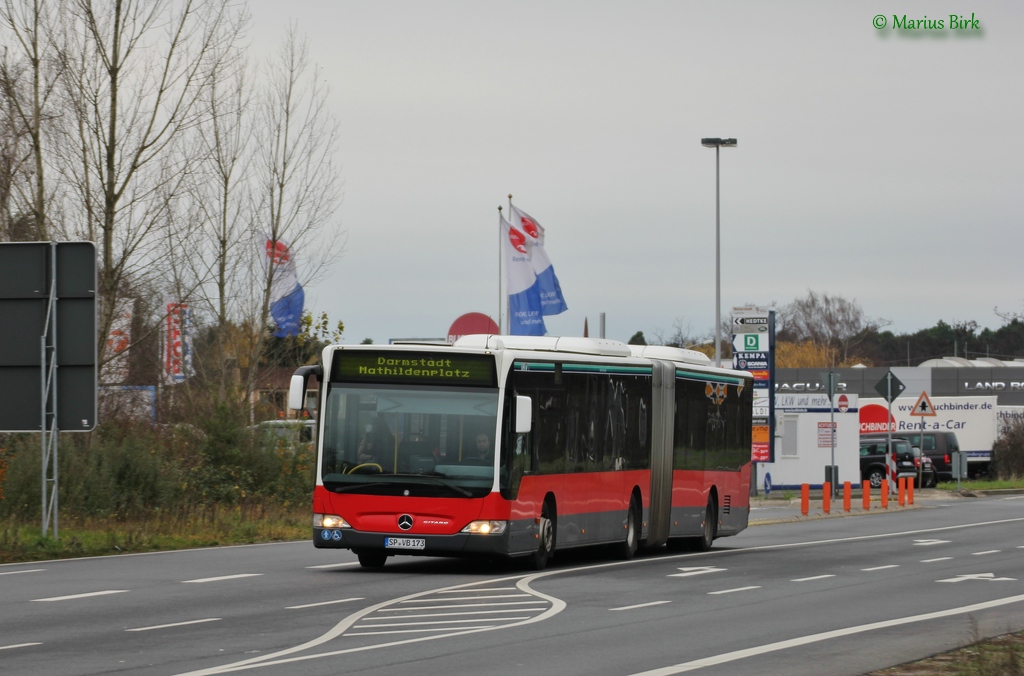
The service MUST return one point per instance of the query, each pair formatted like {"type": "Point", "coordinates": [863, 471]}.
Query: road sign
{"type": "Point", "coordinates": [843, 403]}
{"type": "Point", "coordinates": [29, 271]}
{"type": "Point", "coordinates": [923, 406]}
{"type": "Point", "coordinates": [890, 387]}
{"type": "Point", "coordinates": [830, 379]}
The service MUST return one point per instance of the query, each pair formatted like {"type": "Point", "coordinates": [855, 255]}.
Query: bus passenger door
{"type": "Point", "coordinates": [663, 381]}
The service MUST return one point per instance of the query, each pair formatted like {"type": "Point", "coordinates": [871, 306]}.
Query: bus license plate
{"type": "Point", "coordinates": [405, 543]}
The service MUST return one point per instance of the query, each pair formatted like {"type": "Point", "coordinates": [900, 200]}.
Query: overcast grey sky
{"type": "Point", "coordinates": [881, 165]}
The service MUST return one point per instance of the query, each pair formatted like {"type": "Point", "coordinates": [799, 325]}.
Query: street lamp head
{"type": "Point", "coordinates": [718, 142]}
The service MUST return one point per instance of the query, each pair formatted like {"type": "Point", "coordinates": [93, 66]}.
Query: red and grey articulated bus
{"type": "Point", "coordinates": [516, 446]}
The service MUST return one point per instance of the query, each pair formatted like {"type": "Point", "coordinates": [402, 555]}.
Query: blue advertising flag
{"type": "Point", "coordinates": [551, 299]}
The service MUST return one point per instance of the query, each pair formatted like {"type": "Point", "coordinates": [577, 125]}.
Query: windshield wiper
{"type": "Point", "coordinates": [446, 484]}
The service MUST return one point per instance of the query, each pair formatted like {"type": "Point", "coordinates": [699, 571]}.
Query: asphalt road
{"type": "Point", "coordinates": [837, 596]}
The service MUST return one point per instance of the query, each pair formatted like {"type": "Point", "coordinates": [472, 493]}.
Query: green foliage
{"type": "Point", "coordinates": [638, 339]}
{"type": "Point", "coordinates": [1008, 452]}
{"type": "Point", "coordinates": [127, 472]}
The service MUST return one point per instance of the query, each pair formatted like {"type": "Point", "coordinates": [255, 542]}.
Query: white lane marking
{"type": "Point", "coordinates": [725, 658]}
{"type": "Point", "coordinates": [274, 659]}
{"type": "Point", "coordinates": [465, 605]}
{"type": "Point", "coordinates": [989, 551]}
{"type": "Point", "coordinates": [697, 570]}
{"type": "Point", "coordinates": [486, 589]}
{"type": "Point", "coordinates": [18, 572]}
{"type": "Point", "coordinates": [474, 598]}
{"type": "Point", "coordinates": [476, 620]}
{"type": "Point", "coordinates": [941, 558]}
{"type": "Point", "coordinates": [82, 596]}
{"type": "Point", "coordinates": [462, 612]}
{"type": "Point", "coordinates": [928, 543]}
{"type": "Point", "coordinates": [324, 603]}
{"type": "Point", "coordinates": [334, 565]}
{"type": "Point", "coordinates": [222, 577]}
{"type": "Point", "coordinates": [280, 657]}
{"type": "Point", "coordinates": [891, 565]}
{"type": "Point", "coordinates": [394, 631]}
{"type": "Point", "coordinates": [737, 589]}
{"type": "Point", "coordinates": [176, 624]}
{"type": "Point", "coordinates": [1014, 497]}
{"type": "Point", "coordinates": [808, 579]}
{"type": "Point", "coordinates": [18, 645]}
{"type": "Point", "coordinates": [987, 577]}
{"type": "Point", "coordinates": [641, 605]}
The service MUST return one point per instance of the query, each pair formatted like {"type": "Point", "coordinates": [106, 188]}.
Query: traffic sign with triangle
{"type": "Point", "coordinates": [923, 406]}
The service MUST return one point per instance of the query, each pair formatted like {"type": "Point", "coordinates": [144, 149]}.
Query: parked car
{"type": "Point", "coordinates": [292, 433]}
{"type": "Point", "coordinates": [938, 446]}
{"type": "Point", "coordinates": [909, 461]}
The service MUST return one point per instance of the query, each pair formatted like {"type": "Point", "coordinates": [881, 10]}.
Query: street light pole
{"type": "Point", "coordinates": [717, 143]}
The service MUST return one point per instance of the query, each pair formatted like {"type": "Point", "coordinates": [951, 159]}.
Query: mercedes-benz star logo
{"type": "Point", "coordinates": [405, 522]}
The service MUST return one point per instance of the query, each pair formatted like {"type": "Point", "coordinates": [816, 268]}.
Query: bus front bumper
{"type": "Point", "coordinates": [411, 544]}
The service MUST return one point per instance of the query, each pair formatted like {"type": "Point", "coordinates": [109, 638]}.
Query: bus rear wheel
{"type": "Point", "coordinates": [372, 559]}
{"type": "Point", "coordinates": [707, 537]}
{"type": "Point", "coordinates": [627, 548]}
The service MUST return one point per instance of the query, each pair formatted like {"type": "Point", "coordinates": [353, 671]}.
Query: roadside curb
{"type": "Point", "coordinates": [817, 516]}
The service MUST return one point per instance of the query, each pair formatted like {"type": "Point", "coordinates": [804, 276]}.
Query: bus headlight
{"type": "Point", "coordinates": [329, 521]}
{"type": "Point", "coordinates": [485, 527]}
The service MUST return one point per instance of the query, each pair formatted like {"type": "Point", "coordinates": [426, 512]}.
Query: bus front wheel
{"type": "Point", "coordinates": [545, 539]}
{"type": "Point", "coordinates": [372, 559]}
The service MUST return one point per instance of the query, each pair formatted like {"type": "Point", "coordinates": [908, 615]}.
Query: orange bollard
{"type": "Point", "coordinates": [885, 495]}
{"type": "Point", "coordinates": [846, 496]}
{"type": "Point", "coordinates": [826, 497]}
{"type": "Point", "coordinates": [865, 491]}
{"type": "Point", "coordinates": [805, 498]}
{"type": "Point", "coordinates": [902, 482]}
{"type": "Point", "coordinates": [910, 492]}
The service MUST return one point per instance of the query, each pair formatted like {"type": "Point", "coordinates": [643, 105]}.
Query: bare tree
{"type": "Point", "coordinates": [30, 23]}
{"type": "Point", "coordinates": [297, 182]}
{"type": "Point", "coordinates": [134, 74]}
{"type": "Point", "coordinates": [830, 322]}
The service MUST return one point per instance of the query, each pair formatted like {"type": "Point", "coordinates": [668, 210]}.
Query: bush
{"type": "Point", "coordinates": [1008, 452]}
{"type": "Point", "coordinates": [131, 471]}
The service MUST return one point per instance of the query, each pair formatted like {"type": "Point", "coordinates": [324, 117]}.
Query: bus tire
{"type": "Point", "coordinates": [707, 537]}
{"type": "Point", "coordinates": [372, 559]}
{"type": "Point", "coordinates": [627, 548]}
{"type": "Point", "coordinates": [545, 540]}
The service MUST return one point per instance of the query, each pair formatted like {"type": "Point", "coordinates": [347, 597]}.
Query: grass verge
{"type": "Point", "coordinates": [21, 542]}
{"type": "Point", "coordinates": [999, 656]}
{"type": "Point", "coordinates": [981, 485]}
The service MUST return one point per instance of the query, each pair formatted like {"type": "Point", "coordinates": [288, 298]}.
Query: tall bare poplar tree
{"type": "Point", "coordinates": [297, 181]}
{"type": "Point", "coordinates": [27, 26]}
{"type": "Point", "coordinates": [135, 72]}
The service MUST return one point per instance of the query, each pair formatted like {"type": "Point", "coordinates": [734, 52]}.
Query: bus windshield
{"type": "Point", "coordinates": [409, 440]}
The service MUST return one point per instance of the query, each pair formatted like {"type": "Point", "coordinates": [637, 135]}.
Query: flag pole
{"type": "Point", "coordinates": [508, 307]}
{"type": "Point", "coordinates": [499, 268]}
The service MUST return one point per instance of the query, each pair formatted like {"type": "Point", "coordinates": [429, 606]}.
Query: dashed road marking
{"type": "Point", "coordinates": [82, 596]}
{"type": "Point", "coordinates": [737, 589]}
{"type": "Point", "coordinates": [222, 577]}
{"type": "Point", "coordinates": [18, 572]}
{"type": "Point", "coordinates": [18, 645]}
{"type": "Point", "coordinates": [987, 551]}
{"type": "Point", "coordinates": [891, 565]}
{"type": "Point", "coordinates": [176, 624]}
{"type": "Point", "coordinates": [808, 579]}
{"type": "Point", "coordinates": [324, 603]}
{"type": "Point", "coordinates": [941, 558]}
{"type": "Point", "coordinates": [642, 605]}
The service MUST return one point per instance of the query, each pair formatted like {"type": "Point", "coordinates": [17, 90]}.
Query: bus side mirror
{"type": "Point", "coordinates": [297, 386]}
{"type": "Point", "coordinates": [297, 393]}
{"type": "Point", "coordinates": [524, 415]}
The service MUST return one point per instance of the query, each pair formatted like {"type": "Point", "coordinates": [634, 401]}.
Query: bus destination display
{"type": "Point", "coordinates": [410, 368]}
